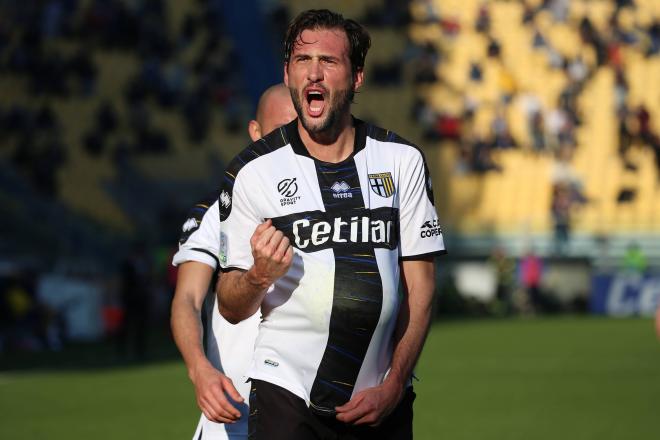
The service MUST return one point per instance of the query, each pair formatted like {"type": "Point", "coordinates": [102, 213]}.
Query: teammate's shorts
{"type": "Point", "coordinates": [277, 414]}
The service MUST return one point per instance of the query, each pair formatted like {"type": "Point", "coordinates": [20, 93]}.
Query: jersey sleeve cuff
{"type": "Point", "coordinates": [422, 256]}
{"type": "Point", "coordinates": [195, 254]}
{"type": "Point", "coordinates": [235, 267]}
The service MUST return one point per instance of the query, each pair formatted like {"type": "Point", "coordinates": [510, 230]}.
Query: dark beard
{"type": "Point", "coordinates": [327, 129]}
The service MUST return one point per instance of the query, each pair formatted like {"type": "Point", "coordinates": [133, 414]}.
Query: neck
{"type": "Point", "coordinates": [333, 145]}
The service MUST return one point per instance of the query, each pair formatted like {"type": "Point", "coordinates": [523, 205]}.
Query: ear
{"type": "Point", "coordinates": [359, 80]}
{"type": "Point", "coordinates": [254, 130]}
{"type": "Point", "coordinates": [286, 74]}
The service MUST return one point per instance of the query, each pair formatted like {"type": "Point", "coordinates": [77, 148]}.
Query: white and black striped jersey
{"type": "Point", "coordinates": [327, 324]}
{"type": "Point", "coordinates": [228, 347]}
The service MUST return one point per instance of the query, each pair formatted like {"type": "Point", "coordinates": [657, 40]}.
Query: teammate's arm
{"type": "Point", "coordinates": [372, 405]}
{"type": "Point", "coordinates": [210, 384]}
{"type": "Point", "coordinates": [240, 293]}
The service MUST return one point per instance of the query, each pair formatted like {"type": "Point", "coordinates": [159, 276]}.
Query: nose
{"type": "Point", "coordinates": [315, 72]}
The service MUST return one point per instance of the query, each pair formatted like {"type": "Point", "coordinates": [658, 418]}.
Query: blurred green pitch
{"type": "Point", "coordinates": [572, 378]}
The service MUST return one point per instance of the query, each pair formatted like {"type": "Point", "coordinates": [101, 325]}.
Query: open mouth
{"type": "Point", "coordinates": [315, 102]}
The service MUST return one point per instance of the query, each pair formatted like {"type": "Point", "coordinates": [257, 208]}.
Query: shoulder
{"type": "Point", "coordinates": [257, 151]}
{"type": "Point", "coordinates": [394, 144]}
{"type": "Point", "coordinates": [197, 214]}
{"type": "Point", "coordinates": [246, 165]}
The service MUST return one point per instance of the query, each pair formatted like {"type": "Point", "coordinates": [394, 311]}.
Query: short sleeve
{"type": "Point", "coordinates": [420, 230]}
{"type": "Point", "coordinates": [238, 220]}
{"type": "Point", "coordinates": [200, 234]}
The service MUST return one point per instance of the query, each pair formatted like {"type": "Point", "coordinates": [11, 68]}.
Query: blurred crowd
{"type": "Point", "coordinates": [50, 50]}
{"type": "Point", "coordinates": [551, 130]}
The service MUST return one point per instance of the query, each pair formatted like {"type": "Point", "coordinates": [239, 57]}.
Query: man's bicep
{"type": "Point", "coordinates": [418, 276]}
{"type": "Point", "coordinates": [193, 281]}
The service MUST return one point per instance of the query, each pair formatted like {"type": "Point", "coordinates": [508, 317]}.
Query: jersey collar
{"type": "Point", "coordinates": [291, 130]}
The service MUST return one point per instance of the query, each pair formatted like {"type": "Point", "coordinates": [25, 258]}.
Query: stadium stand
{"type": "Point", "coordinates": [559, 74]}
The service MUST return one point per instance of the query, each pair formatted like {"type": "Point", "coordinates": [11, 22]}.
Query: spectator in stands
{"type": "Point", "coordinates": [504, 275]}
{"type": "Point", "coordinates": [561, 215]}
{"type": "Point", "coordinates": [537, 131]}
{"type": "Point", "coordinates": [482, 160]}
{"type": "Point", "coordinates": [653, 31]}
{"type": "Point", "coordinates": [502, 138]}
{"type": "Point", "coordinates": [482, 23]}
{"type": "Point", "coordinates": [634, 261]}
{"type": "Point", "coordinates": [531, 272]}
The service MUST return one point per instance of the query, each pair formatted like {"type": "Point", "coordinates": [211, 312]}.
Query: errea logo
{"type": "Point", "coordinates": [341, 190]}
{"type": "Point", "coordinates": [288, 188]}
{"type": "Point", "coordinates": [431, 228]}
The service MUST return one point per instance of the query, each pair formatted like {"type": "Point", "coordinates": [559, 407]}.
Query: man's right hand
{"type": "Point", "coordinates": [211, 390]}
{"type": "Point", "coordinates": [272, 253]}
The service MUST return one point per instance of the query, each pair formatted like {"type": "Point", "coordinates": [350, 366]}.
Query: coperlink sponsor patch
{"type": "Point", "coordinates": [431, 228]}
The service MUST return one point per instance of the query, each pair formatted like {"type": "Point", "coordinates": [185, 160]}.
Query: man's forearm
{"type": "Point", "coordinates": [187, 331]}
{"type": "Point", "coordinates": [413, 319]}
{"type": "Point", "coordinates": [240, 294]}
{"type": "Point", "coordinates": [192, 286]}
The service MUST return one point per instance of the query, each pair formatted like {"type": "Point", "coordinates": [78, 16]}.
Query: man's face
{"type": "Point", "coordinates": [320, 79]}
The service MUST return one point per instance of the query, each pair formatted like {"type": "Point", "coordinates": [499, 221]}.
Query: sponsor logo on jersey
{"type": "Point", "coordinates": [360, 229]}
{"type": "Point", "coordinates": [431, 228]}
{"type": "Point", "coordinates": [271, 363]}
{"type": "Point", "coordinates": [225, 199]}
{"type": "Point", "coordinates": [382, 184]}
{"type": "Point", "coordinates": [341, 190]}
{"type": "Point", "coordinates": [288, 188]}
{"type": "Point", "coordinates": [356, 229]}
{"type": "Point", "coordinates": [189, 225]}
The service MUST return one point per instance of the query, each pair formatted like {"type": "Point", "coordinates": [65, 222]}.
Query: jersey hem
{"type": "Point", "coordinates": [299, 392]}
{"type": "Point", "coordinates": [421, 256]}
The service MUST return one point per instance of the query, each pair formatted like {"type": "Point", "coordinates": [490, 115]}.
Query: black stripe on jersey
{"type": "Point", "coordinates": [357, 297]}
{"type": "Point", "coordinates": [362, 229]}
{"type": "Point", "coordinates": [195, 216]}
{"type": "Point", "coordinates": [272, 141]}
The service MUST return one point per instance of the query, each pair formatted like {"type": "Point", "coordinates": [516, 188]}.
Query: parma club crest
{"type": "Point", "coordinates": [382, 184]}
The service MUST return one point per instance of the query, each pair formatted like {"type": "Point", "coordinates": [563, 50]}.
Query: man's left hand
{"type": "Point", "coordinates": [371, 406]}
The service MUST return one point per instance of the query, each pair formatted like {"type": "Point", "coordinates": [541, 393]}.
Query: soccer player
{"type": "Point", "coordinates": [217, 375]}
{"type": "Point", "coordinates": [321, 219]}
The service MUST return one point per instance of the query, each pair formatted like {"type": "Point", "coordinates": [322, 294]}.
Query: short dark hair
{"type": "Point", "coordinates": [359, 40]}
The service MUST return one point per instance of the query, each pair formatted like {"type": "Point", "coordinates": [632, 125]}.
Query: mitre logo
{"type": "Point", "coordinates": [288, 188]}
